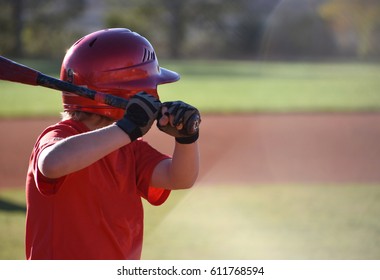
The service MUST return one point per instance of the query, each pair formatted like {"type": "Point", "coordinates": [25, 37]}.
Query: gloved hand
{"type": "Point", "coordinates": [178, 117]}
{"type": "Point", "coordinates": [142, 110]}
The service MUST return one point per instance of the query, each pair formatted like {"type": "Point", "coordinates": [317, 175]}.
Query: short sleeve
{"type": "Point", "coordinates": [49, 137]}
{"type": "Point", "coordinates": [147, 159]}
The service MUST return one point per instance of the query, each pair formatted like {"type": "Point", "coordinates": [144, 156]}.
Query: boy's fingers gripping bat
{"type": "Point", "coordinates": [15, 72]}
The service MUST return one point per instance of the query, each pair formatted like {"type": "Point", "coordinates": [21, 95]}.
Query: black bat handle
{"type": "Point", "coordinates": [112, 100]}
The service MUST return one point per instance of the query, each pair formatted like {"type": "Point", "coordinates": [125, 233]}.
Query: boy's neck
{"type": "Point", "coordinates": [94, 122]}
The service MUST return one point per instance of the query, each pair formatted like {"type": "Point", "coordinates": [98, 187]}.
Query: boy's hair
{"type": "Point", "coordinates": [81, 116]}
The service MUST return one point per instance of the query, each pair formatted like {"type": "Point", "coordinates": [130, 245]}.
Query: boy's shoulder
{"type": "Point", "coordinates": [68, 125]}
{"type": "Point", "coordinates": [63, 129]}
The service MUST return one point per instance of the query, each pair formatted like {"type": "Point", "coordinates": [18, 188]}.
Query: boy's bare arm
{"type": "Point", "coordinates": [182, 170]}
{"type": "Point", "coordinates": [79, 151]}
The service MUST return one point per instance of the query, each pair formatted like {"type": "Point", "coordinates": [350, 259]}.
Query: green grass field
{"type": "Point", "coordinates": [231, 86]}
{"type": "Point", "coordinates": [243, 222]}
{"type": "Point", "coordinates": [239, 222]}
{"type": "Point", "coordinates": [12, 223]}
{"type": "Point", "coordinates": [267, 222]}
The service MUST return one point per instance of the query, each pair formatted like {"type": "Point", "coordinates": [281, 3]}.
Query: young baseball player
{"type": "Point", "coordinates": [88, 173]}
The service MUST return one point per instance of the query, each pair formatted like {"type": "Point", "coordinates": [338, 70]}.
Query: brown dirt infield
{"type": "Point", "coordinates": [258, 148]}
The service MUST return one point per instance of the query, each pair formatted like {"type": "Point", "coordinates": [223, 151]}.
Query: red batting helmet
{"type": "Point", "coordinates": [115, 61]}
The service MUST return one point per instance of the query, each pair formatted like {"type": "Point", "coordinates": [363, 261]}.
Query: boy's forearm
{"type": "Point", "coordinates": [185, 165]}
{"type": "Point", "coordinates": [79, 151]}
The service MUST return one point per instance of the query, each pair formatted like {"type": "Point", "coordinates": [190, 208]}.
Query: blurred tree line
{"type": "Point", "coordinates": [239, 29]}
{"type": "Point", "coordinates": [36, 28]}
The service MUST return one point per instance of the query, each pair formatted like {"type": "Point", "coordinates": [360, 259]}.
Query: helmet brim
{"type": "Point", "coordinates": [168, 76]}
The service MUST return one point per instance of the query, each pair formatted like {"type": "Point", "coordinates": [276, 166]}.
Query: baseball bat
{"type": "Point", "coordinates": [19, 73]}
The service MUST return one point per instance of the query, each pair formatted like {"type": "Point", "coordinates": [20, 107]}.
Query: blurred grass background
{"type": "Point", "coordinates": [235, 221]}
{"type": "Point", "coordinates": [12, 221]}
{"type": "Point", "coordinates": [267, 222]}
{"type": "Point", "coordinates": [232, 86]}
{"type": "Point", "coordinates": [243, 222]}
{"type": "Point", "coordinates": [238, 222]}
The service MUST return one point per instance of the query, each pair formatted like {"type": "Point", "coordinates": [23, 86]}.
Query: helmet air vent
{"type": "Point", "coordinates": [92, 42]}
{"type": "Point", "coordinates": [148, 55]}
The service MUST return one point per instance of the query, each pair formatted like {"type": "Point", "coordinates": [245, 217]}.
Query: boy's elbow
{"type": "Point", "coordinates": [184, 184]}
{"type": "Point", "coordinates": [47, 170]}
{"type": "Point", "coordinates": [49, 166]}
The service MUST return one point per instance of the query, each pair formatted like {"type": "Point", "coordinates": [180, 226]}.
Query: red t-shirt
{"type": "Point", "coordinates": [94, 213]}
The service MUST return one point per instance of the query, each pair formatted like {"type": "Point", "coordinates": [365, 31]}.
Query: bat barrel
{"type": "Point", "coordinates": [15, 72]}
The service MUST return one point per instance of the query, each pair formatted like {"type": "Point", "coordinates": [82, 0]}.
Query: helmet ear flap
{"type": "Point", "coordinates": [115, 61]}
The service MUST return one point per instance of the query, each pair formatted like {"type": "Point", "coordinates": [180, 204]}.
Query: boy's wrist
{"type": "Point", "coordinates": [130, 128]}
{"type": "Point", "coordinates": [187, 140]}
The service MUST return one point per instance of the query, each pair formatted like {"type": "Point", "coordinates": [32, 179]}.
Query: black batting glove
{"type": "Point", "coordinates": [142, 110]}
{"type": "Point", "coordinates": [182, 119]}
